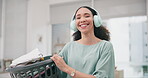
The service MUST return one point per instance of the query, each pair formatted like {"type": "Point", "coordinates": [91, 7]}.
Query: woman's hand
{"type": "Point", "coordinates": [60, 63]}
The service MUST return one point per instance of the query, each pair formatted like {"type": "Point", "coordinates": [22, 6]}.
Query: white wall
{"type": "Point", "coordinates": [147, 7]}
{"type": "Point", "coordinates": [24, 23]}
{"type": "Point", "coordinates": [38, 26]}
{"type": "Point", "coordinates": [0, 17]}
{"type": "Point", "coordinates": [62, 13]}
{"type": "Point", "coordinates": [15, 28]}
{"type": "Point", "coordinates": [53, 2]}
{"type": "Point", "coordinates": [120, 8]}
{"type": "Point", "coordinates": [1, 29]}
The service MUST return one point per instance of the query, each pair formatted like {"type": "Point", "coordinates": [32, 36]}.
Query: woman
{"type": "Point", "coordinates": [91, 54]}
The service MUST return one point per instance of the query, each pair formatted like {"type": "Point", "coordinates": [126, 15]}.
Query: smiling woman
{"type": "Point", "coordinates": [90, 55]}
{"type": "Point", "coordinates": [84, 20]}
{"type": "Point", "coordinates": [99, 30]}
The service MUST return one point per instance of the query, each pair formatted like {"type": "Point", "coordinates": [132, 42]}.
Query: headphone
{"type": "Point", "coordinates": [97, 21]}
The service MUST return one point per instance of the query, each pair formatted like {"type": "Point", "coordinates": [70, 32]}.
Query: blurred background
{"type": "Point", "coordinates": [44, 24]}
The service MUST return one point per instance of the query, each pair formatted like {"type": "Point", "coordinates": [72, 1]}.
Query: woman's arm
{"type": "Point", "coordinates": [78, 74]}
{"type": "Point", "coordinates": [60, 63]}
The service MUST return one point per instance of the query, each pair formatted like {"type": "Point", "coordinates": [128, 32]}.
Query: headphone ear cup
{"type": "Point", "coordinates": [97, 21]}
{"type": "Point", "coordinates": [73, 25]}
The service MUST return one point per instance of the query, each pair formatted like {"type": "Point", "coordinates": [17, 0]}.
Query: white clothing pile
{"type": "Point", "coordinates": [31, 56]}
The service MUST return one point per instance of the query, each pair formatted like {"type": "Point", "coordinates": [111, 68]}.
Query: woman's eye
{"type": "Point", "coordinates": [87, 16]}
{"type": "Point", "coordinates": [78, 18]}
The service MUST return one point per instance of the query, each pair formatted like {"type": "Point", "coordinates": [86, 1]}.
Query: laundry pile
{"type": "Point", "coordinates": [29, 58]}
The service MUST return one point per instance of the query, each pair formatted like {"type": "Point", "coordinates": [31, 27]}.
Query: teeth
{"type": "Point", "coordinates": [83, 25]}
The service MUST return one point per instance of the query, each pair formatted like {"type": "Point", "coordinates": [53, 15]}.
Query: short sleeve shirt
{"type": "Point", "coordinates": [96, 59]}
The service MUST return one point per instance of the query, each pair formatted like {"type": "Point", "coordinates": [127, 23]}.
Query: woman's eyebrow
{"type": "Point", "coordinates": [78, 14]}
{"type": "Point", "coordinates": [86, 14]}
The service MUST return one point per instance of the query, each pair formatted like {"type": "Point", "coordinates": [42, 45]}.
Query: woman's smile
{"type": "Point", "coordinates": [84, 26]}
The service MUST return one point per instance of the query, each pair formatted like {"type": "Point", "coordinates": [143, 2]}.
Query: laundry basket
{"type": "Point", "coordinates": [43, 69]}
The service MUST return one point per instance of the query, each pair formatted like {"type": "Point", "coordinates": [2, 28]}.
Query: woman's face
{"type": "Point", "coordinates": [84, 20]}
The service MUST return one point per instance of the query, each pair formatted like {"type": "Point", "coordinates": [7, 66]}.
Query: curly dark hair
{"type": "Point", "coordinates": [100, 32]}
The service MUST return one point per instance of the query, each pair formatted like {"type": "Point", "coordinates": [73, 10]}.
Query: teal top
{"type": "Point", "coordinates": [96, 59]}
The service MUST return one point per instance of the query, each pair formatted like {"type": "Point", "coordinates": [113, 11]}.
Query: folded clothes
{"type": "Point", "coordinates": [27, 58]}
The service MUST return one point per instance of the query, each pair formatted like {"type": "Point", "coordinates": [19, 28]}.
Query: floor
{"type": "Point", "coordinates": [4, 75]}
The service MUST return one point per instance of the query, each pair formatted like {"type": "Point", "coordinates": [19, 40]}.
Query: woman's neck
{"type": "Point", "coordinates": [88, 39]}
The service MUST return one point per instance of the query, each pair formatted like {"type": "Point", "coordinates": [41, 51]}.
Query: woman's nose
{"type": "Point", "coordinates": [82, 20]}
